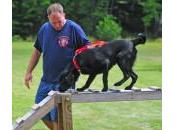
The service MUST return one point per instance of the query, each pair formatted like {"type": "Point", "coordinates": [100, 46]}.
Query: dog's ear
{"type": "Point", "coordinates": [68, 69]}
{"type": "Point", "coordinates": [65, 71]}
{"type": "Point", "coordinates": [62, 75]}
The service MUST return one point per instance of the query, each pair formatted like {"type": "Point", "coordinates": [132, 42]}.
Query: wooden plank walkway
{"type": "Point", "coordinates": [65, 100]}
{"type": "Point", "coordinates": [36, 113]}
{"type": "Point", "coordinates": [117, 95]}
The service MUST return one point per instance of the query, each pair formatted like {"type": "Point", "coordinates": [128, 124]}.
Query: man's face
{"type": "Point", "coordinates": [57, 20]}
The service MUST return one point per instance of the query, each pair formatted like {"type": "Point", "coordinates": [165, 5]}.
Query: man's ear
{"type": "Point", "coordinates": [64, 14]}
{"type": "Point", "coordinates": [48, 16]}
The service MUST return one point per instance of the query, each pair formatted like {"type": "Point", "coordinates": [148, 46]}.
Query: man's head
{"type": "Point", "coordinates": [56, 16]}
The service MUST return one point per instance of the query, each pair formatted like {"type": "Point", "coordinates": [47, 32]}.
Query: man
{"type": "Point", "coordinates": [57, 40]}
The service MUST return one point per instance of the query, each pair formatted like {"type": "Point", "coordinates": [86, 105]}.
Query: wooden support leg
{"type": "Point", "coordinates": [60, 118]}
{"type": "Point", "coordinates": [55, 126]}
{"type": "Point", "coordinates": [67, 112]}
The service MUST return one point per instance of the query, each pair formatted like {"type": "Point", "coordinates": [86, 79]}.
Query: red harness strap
{"type": "Point", "coordinates": [84, 48]}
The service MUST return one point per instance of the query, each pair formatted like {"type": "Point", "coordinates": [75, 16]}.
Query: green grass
{"type": "Point", "coordinates": [142, 115]}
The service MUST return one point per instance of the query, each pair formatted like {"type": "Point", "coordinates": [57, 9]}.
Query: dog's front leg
{"type": "Point", "coordinates": [88, 83]}
{"type": "Point", "coordinates": [105, 81]}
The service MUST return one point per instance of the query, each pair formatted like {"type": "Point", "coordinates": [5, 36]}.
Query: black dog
{"type": "Point", "coordinates": [101, 60]}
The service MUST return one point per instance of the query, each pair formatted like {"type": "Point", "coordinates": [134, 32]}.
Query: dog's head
{"type": "Point", "coordinates": [68, 77]}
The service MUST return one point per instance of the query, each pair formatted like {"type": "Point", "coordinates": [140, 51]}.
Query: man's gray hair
{"type": "Point", "coordinates": [56, 7]}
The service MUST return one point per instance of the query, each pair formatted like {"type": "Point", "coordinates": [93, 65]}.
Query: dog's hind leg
{"type": "Point", "coordinates": [134, 79]}
{"type": "Point", "coordinates": [124, 79]}
{"type": "Point", "coordinates": [105, 81]}
{"type": "Point", "coordinates": [133, 75]}
{"type": "Point", "coordinates": [88, 82]}
{"type": "Point", "coordinates": [124, 68]}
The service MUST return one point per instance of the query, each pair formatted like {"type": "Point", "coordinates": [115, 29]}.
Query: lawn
{"type": "Point", "coordinates": [142, 115]}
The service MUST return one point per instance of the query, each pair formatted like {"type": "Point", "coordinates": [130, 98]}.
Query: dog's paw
{"type": "Point", "coordinates": [117, 84]}
{"type": "Point", "coordinates": [128, 88]}
{"type": "Point", "coordinates": [104, 90]}
{"type": "Point", "coordinates": [80, 89]}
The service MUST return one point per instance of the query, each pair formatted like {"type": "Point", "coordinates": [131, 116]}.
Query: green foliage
{"type": "Point", "coordinates": [17, 38]}
{"type": "Point", "coordinates": [108, 28]}
{"type": "Point", "coordinates": [152, 10]}
{"type": "Point", "coordinates": [86, 13]}
{"type": "Point", "coordinates": [133, 16]}
{"type": "Point", "coordinates": [28, 16]}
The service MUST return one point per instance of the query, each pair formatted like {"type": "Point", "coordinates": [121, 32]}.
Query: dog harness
{"type": "Point", "coordinates": [94, 44]}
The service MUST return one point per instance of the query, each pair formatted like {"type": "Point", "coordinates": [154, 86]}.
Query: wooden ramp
{"type": "Point", "coordinates": [64, 102]}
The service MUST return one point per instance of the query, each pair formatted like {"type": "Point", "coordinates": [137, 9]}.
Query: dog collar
{"type": "Point", "coordinates": [76, 64]}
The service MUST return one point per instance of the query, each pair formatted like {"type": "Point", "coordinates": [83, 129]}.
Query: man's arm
{"type": "Point", "coordinates": [33, 62]}
{"type": "Point", "coordinates": [81, 38]}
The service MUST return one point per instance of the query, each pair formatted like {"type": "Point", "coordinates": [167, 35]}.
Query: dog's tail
{"type": "Point", "coordinates": [141, 39]}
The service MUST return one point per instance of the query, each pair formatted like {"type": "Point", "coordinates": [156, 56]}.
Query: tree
{"type": "Point", "coordinates": [132, 15]}
{"type": "Point", "coordinates": [152, 16]}
{"type": "Point", "coordinates": [28, 16]}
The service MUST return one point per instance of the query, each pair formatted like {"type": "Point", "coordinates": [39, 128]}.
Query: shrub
{"type": "Point", "coordinates": [108, 28]}
{"type": "Point", "coordinates": [17, 38]}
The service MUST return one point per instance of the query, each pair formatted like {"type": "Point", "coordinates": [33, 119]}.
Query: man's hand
{"type": "Point", "coordinates": [33, 62]}
{"type": "Point", "coordinates": [28, 79]}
